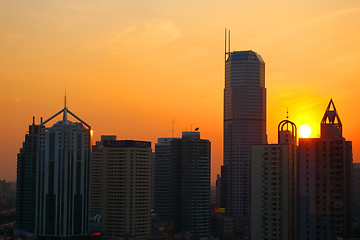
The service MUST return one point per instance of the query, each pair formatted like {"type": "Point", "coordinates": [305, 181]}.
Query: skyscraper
{"type": "Point", "coordinates": [244, 125]}
{"type": "Point", "coordinates": [274, 186]}
{"type": "Point", "coordinates": [62, 184]}
{"type": "Point", "coordinates": [325, 181]}
{"type": "Point", "coordinates": [182, 182]}
{"type": "Point", "coordinates": [121, 187]}
{"type": "Point", "coordinates": [26, 182]}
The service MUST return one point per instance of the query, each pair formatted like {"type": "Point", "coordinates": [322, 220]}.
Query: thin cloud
{"type": "Point", "coordinates": [14, 99]}
{"type": "Point", "coordinates": [148, 34]}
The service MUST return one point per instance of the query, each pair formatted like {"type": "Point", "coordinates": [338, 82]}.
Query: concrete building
{"type": "Point", "coordinates": [274, 186]}
{"type": "Point", "coordinates": [121, 187]}
{"type": "Point", "coordinates": [244, 125]}
{"type": "Point", "coordinates": [325, 166]}
{"type": "Point", "coordinates": [182, 183]}
{"type": "Point", "coordinates": [62, 192]}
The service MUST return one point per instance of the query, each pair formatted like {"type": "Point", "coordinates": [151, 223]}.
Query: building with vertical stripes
{"type": "Point", "coordinates": [62, 182]}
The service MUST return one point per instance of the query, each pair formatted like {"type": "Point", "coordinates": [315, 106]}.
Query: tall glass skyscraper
{"type": "Point", "coordinates": [62, 184]}
{"type": "Point", "coordinates": [244, 125]}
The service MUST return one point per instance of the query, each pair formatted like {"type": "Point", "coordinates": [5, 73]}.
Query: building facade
{"type": "Point", "coordinates": [244, 125]}
{"type": "Point", "coordinates": [274, 186]}
{"type": "Point", "coordinates": [121, 187]}
{"type": "Point", "coordinates": [62, 183]}
{"type": "Point", "coordinates": [182, 183]}
{"type": "Point", "coordinates": [325, 165]}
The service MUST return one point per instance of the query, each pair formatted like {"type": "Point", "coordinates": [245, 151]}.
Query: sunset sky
{"type": "Point", "coordinates": [132, 67]}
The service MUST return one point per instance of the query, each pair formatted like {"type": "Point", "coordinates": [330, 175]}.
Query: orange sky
{"type": "Point", "coordinates": [131, 67]}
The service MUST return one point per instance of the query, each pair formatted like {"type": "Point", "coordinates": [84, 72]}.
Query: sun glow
{"type": "Point", "coordinates": [305, 131]}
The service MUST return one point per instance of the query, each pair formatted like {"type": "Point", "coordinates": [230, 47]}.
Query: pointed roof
{"type": "Point", "coordinates": [65, 112]}
{"type": "Point", "coordinates": [331, 117]}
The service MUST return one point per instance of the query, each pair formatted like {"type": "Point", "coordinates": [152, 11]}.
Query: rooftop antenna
{"type": "Point", "coordinates": [227, 43]}
{"type": "Point", "coordinates": [172, 131]}
{"type": "Point", "coordinates": [287, 113]}
{"type": "Point", "coordinates": [65, 99]}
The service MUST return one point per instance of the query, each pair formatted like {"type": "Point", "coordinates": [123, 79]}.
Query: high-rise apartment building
{"type": "Point", "coordinates": [62, 184]}
{"type": "Point", "coordinates": [325, 165]}
{"type": "Point", "coordinates": [121, 187]}
{"type": "Point", "coordinates": [244, 125]}
{"type": "Point", "coordinates": [182, 183]}
{"type": "Point", "coordinates": [26, 182]}
{"type": "Point", "coordinates": [274, 186]}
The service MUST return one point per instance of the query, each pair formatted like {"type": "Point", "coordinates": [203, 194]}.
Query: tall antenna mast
{"type": "Point", "coordinates": [172, 131]}
{"type": "Point", "coordinates": [287, 112]}
{"type": "Point", "coordinates": [65, 100]}
{"type": "Point", "coordinates": [227, 43]}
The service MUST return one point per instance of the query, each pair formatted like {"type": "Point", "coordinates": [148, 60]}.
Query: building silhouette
{"type": "Point", "coordinates": [26, 182]}
{"type": "Point", "coordinates": [274, 186]}
{"type": "Point", "coordinates": [121, 187]}
{"type": "Point", "coordinates": [62, 183]}
{"type": "Point", "coordinates": [244, 125]}
{"type": "Point", "coordinates": [325, 165]}
{"type": "Point", "coordinates": [182, 183]}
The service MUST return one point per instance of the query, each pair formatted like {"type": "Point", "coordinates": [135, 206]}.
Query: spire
{"type": "Point", "coordinates": [65, 100]}
{"type": "Point", "coordinates": [65, 119]}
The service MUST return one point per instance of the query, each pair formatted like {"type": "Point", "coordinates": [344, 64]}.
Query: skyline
{"type": "Point", "coordinates": [129, 69]}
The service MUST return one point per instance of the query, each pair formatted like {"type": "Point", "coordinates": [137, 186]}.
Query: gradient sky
{"type": "Point", "coordinates": [130, 67]}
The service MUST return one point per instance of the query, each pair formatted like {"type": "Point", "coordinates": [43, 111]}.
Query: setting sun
{"type": "Point", "coordinates": [305, 131]}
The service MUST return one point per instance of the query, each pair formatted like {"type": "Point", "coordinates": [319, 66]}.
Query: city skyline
{"type": "Point", "coordinates": [133, 75]}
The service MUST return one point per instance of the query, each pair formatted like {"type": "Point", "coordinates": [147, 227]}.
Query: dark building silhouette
{"type": "Point", "coordinates": [26, 182]}
{"type": "Point", "coordinates": [182, 183]}
{"type": "Point", "coordinates": [325, 170]}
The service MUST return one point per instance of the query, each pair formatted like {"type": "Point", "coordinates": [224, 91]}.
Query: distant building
{"type": "Point", "coordinates": [325, 181]}
{"type": "Point", "coordinates": [274, 186]}
{"type": "Point", "coordinates": [62, 184]}
{"type": "Point", "coordinates": [244, 125]}
{"type": "Point", "coordinates": [182, 183]}
{"type": "Point", "coordinates": [121, 187]}
{"type": "Point", "coordinates": [26, 181]}
{"type": "Point", "coordinates": [7, 195]}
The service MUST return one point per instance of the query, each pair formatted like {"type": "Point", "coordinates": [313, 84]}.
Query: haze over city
{"type": "Point", "coordinates": [132, 68]}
